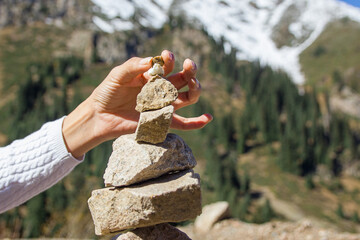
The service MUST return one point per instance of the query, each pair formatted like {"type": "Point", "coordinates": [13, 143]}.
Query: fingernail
{"type": "Point", "coordinates": [194, 67]}
{"type": "Point", "coordinates": [145, 61]}
{"type": "Point", "coordinates": [195, 82]}
{"type": "Point", "coordinates": [171, 56]}
{"type": "Point", "coordinates": [209, 116]}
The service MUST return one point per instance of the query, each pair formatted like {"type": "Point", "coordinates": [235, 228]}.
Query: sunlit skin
{"type": "Point", "coordinates": [109, 111]}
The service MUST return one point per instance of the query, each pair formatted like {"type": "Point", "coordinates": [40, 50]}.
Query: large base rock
{"type": "Point", "coordinates": [132, 162]}
{"type": "Point", "coordinates": [162, 231]}
{"type": "Point", "coordinates": [154, 125]}
{"type": "Point", "coordinates": [171, 198]}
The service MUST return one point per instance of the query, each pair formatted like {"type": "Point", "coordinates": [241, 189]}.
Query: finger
{"type": "Point", "coordinates": [169, 61]}
{"type": "Point", "coordinates": [182, 78]}
{"type": "Point", "coordinates": [188, 97]}
{"type": "Point", "coordinates": [131, 72]}
{"type": "Point", "coordinates": [182, 123]}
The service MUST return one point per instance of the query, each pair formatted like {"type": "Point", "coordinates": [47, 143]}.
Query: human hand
{"type": "Point", "coordinates": [110, 110]}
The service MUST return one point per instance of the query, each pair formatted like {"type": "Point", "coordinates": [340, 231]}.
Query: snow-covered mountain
{"type": "Point", "coordinates": [274, 32]}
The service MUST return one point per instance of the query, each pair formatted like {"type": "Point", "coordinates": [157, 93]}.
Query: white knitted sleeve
{"type": "Point", "coordinates": [33, 164]}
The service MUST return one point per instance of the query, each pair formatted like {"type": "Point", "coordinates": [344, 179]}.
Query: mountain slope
{"type": "Point", "coordinates": [336, 50]}
{"type": "Point", "coordinates": [253, 90]}
{"type": "Point", "coordinates": [275, 32]}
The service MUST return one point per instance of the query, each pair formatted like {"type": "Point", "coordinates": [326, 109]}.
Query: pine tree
{"type": "Point", "coordinates": [309, 183]}
{"type": "Point", "coordinates": [56, 198]}
{"type": "Point", "coordinates": [36, 216]}
{"type": "Point", "coordinates": [355, 217]}
{"type": "Point", "coordinates": [244, 207]}
{"type": "Point", "coordinates": [266, 211]}
{"type": "Point", "coordinates": [339, 211]}
{"type": "Point", "coordinates": [245, 186]}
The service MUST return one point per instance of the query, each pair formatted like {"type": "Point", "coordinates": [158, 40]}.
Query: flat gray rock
{"type": "Point", "coordinates": [132, 162]}
{"type": "Point", "coordinates": [154, 125]}
{"type": "Point", "coordinates": [162, 231]}
{"type": "Point", "coordinates": [170, 198]}
{"type": "Point", "coordinates": [155, 94]}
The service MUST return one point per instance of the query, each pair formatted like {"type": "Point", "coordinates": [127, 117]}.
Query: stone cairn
{"type": "Point", "coordinates": [149, 178]}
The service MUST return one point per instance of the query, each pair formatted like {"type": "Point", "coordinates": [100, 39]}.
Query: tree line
{"type": "Point", "coordinates": [44, 96]}
{"type": "Point", "coordinates": [274, 109]}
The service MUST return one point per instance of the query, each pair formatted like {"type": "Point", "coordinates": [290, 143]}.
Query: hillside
{"type": "Point", "coordinates": [268, 141]}
{"type": "Point", "coordinates": [333, 58]}
{"type": "Point", "coordinates": [273, 32]}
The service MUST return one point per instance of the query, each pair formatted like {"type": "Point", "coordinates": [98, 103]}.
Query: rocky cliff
{"type": "Point", "coordinates": [26, 12]}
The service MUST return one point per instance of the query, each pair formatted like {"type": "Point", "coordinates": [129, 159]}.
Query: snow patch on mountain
{"type": "Point", "coordinates": [246, 25]}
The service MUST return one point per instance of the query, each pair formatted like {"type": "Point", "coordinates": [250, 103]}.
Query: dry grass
{"type": "Point", "coordinates": [284, 189]}
{"type": "Point", "coordinates": [337, 49]}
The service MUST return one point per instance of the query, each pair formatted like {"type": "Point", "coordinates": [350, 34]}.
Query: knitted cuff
{"type": "Point", "coordinates": [56, 136]}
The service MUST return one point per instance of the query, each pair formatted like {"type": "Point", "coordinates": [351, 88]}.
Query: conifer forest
{"type": "Point", "coordinates": [257, 111]}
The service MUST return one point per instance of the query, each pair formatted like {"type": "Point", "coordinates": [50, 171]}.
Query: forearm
{"type": "Point", "coordinates": [79, 130]}
{"type": "Point", "coordinates": [33, 164]}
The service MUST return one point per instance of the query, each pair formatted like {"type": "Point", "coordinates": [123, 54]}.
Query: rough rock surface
{"type": "Point", "coordinates": [162, 231]}
{"type": "Point", "coordinates": [155, 94]}
{"type": "Point", "coordinates": [346, 101]}
{"type": "Point", "coordinates": [170, 198]}
{"type": "Point", "coordinates": [154, 125]}
{"type": "Point", "coordinates": [236, 230]}
{"type": "Point", "coordinates": [22, 13]}
{"type": "Point", "coordinates": [211, 214]}
{"type": "Point", "coordinates": [132, 162]}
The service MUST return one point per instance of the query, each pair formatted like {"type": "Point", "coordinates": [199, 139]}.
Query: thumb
{"type": "Point", "coordinates": [131, 70]}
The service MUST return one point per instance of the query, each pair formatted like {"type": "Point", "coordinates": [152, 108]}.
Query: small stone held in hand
{"type": "Point", "coordinates": [157, 63]}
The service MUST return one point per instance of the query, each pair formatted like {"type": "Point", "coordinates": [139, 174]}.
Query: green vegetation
{"type": "Point", "coordinates": [336, 50]}
{"type": "Point", "coordinates": [21, 46]}
{"type": "Point", "coordinates": [309, 182]}
{"type": "Point", "coordinates": [339, 211]}
{"type": "Point", "coordinates": [42, 97]}
{"type": "Point", "coordinates": [274, 112]}
{"type": "Point", "coordinates": [355, 217]}
{"type": "Point", "coordinates": [264, 133]}
{"type": "Point", "coordinates": [264, 213]}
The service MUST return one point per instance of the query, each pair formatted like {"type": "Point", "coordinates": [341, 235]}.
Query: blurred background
{"type": "Point", "coordinates": [281, 78]}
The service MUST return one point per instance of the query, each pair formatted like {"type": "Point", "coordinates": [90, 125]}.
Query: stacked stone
{"type": "Point", "coordinates": [149, 178]}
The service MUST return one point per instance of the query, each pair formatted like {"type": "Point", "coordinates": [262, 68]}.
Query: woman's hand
{"type": "Point", "coordinates": [109, 111]}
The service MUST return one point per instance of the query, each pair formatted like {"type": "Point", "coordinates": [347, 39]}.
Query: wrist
{"type": "Point", "coordinates": [78, 130]}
